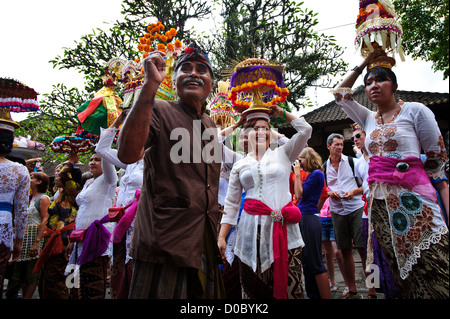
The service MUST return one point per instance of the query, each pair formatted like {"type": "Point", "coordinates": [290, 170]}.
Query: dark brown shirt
{"type": "Point", "coordinates": [177, 199]}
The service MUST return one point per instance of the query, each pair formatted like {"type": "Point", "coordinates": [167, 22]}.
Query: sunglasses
{"type": "Point", "coordinates": [357, 135]}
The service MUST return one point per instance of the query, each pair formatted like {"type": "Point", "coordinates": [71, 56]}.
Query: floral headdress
{"type": "Point", "coordinates": [157, 39]}
{"type": "Point", "coordinates": [221, 109]}
{"type": "Point", "coordinates": [377, 23]}
{"type": "Point", "coordinates": [257, 84]}
{"type": "Point", "coordinates": [356, 127]}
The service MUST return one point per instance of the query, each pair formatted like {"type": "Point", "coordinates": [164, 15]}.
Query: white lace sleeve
{"type": "Point", "coordinates": [21, 200]}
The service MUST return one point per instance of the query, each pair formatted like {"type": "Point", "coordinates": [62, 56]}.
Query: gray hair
{"type": "Point", "coordinates": [333, 136]}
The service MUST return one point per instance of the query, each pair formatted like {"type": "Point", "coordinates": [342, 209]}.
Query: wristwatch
{"type": "Point", "coordinates": [357, 69]}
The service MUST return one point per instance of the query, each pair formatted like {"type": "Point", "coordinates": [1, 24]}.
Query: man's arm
{"type": "Point", "coordinates": [135, 130]}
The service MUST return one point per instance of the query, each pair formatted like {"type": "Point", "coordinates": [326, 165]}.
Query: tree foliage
{"type": "Point", "coordinates": [426, 31]}
{"type": "Point", "coordinates": [277, 30]}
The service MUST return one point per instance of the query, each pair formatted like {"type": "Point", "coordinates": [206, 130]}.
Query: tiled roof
{"type": "Point", "coordinates": [331, 112]}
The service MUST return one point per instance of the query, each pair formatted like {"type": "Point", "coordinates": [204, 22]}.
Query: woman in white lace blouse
{"type": "Point", "coordinates": [264, 175]}
{"type": "Point", "coordinates": [14, 191]}
{"type": "Point", "coordinates": [404, 212]}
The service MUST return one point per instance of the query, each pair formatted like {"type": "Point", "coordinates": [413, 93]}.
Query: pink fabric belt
{"type": "Point", "coordinates": [408, 173]}
{"type": "Point", "coordinates": [125, 222]}
{"type": "Point", "coordinates": [290, 214]}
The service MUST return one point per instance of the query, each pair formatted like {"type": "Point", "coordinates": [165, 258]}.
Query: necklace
{"type": "Point", "coordinates": [380, 119]}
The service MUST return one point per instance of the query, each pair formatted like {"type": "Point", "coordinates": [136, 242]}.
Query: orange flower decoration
{"type": "Point", "coordinates": [178, 44]}
{"type": "Point", "coordinates": [161, 47]}
{"type": "Point", "coordinates": [170, 46]}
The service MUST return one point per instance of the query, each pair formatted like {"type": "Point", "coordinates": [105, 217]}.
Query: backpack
{"type": "Point", "coordinates": [352, 165]}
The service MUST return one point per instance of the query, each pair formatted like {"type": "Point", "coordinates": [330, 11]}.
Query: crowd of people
{"type": "Point", "coordinates": [253, 224]}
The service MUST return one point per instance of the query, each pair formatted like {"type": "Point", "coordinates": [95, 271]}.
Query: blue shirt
{"type": "Point", "coordinates": [312, 188]}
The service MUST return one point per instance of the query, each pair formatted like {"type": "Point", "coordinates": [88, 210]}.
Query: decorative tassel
{"type": "Point", "coordinates": [384, 39]}
{"type": "Point", "coordinates": [393, 38]}
{"type": "Point", "coordinates": [368, 43]}
{"type": "Point", "coordinates": [401, 53]}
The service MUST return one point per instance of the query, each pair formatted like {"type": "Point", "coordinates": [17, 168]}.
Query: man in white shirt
{"type": "Point", "coordinates": [362, 171]}
{"type": "Point", "coordinates": [346, 207]}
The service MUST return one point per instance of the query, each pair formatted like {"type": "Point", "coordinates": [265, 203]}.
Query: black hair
{"type": "Point", "coordinates": [6, 141]}
{"type": "Point", "coordinates": [384, 74]}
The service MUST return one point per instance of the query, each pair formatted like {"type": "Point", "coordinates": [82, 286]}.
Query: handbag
{"type": "Point", "coordinates": [77, 235]}
{"type": "Point", "coordinates": [115, 213]}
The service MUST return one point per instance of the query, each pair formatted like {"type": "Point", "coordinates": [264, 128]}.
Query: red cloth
{"type": "Point", "coordinates": [291, 214]}
{"type": "Point", "coordinates": [93, 104]}
{"type": "Point", "coordinates": [54, 245]}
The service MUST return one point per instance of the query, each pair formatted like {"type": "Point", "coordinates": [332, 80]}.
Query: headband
{"type": "Point", "coordinates": [7, 127]}
{"type": "Point", "coordinates": [258, 115]}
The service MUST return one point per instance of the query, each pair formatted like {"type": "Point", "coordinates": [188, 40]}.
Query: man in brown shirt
{"type": "Point", "coordinates": [174, 240]}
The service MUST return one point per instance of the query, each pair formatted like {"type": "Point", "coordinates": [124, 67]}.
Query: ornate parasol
{"type": "Point", "coordinates": [257, 84]}
{"type": "Point", "coordinates": [16, 97]}
{"type": "Point", "coordinates": [68, 144]}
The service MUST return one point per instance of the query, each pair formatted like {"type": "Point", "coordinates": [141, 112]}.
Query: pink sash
{"type": "Point", "coordinates": [125, 222]}
{"type": "Point", "coordinates": [289, 214]}
{"type": "Point", "coordinates": [392, 171]}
